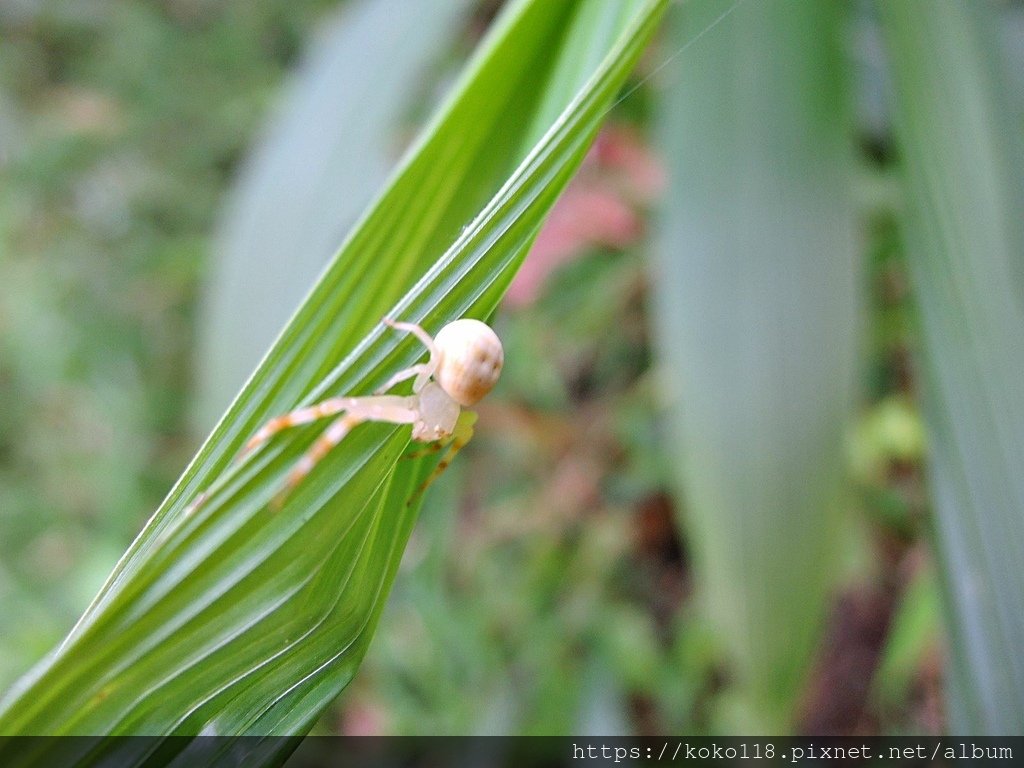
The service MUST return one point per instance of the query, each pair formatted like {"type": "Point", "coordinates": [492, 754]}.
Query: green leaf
{"type": "Point", "coordinates": [758, 305]}
{"type": "Point", "coordinates": [959, 141]}
{"type": "Point", "coordinates": [235, 619]}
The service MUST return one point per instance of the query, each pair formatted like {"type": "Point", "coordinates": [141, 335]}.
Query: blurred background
{"type": "Point", "coordinates": [162, 169]}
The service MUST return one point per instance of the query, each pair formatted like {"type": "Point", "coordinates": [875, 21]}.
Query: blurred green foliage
{"type": "Point", "coordinates": [545, 589]}
{"type": "Point", "coordinates": [131, 118]}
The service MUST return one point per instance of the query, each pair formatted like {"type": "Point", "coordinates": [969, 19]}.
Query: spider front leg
{"type": "Point", "coordinates": [386, 408]}
{"type": "Point", "coordinates": [294, 418]}
{"type": "Point", "coordinates": [458, 440]}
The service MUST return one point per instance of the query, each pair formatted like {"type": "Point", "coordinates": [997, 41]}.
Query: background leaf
{"type": "Point", "coordinates": [964, 182]}
{"type": "Point", "coordinates": [758, 299]}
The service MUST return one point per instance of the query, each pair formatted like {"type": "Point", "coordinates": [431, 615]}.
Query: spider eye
{"type": "Point", "coordinates": [471, 360]}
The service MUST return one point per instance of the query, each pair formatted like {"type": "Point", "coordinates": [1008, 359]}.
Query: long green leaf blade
{"type": "Point", "coordinates": [232, 619]}
{"type": "Point", "coordinates": [757, 288]}
{"type": "Point", "coordinates": [964, 180]}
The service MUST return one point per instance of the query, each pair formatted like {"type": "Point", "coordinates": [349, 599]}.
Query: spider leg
{"type": "Point", "coordinates": [423, 369]}
{"type": "Point", "coordinates": [295, 418]}
{"type": "Point", "coordinates": [460, 438]}
{"type": "Point", "coordinates": [391, 409]}
{"type": "Point", "coordinates": [430, 448]}
{"type": "Point", "coordinates": [426, 370]}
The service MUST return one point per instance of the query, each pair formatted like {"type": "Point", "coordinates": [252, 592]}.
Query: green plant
{"type": "Point", "coordinates": [552, 594]}
{"type": "Point", "coordinates": [235, 620]}
{"type": "Point", "coordinates": [959, 142]}
{"type": "Point", "coordinates": [758, 303]}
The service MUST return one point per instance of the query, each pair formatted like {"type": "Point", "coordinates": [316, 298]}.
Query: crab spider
{"type": "Point", "coordinates": [464, 364]}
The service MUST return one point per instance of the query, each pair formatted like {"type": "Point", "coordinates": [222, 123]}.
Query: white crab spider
{"type": "Point", "coordinates": [464, 364]}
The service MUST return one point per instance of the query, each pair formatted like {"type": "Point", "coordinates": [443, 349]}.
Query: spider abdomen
{"type": "Point", "coordinates": [471, 360]}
